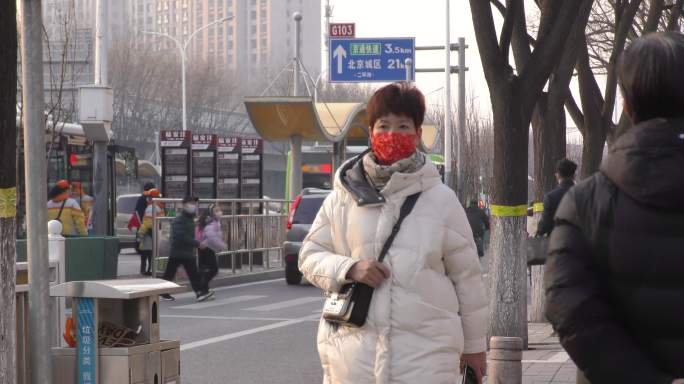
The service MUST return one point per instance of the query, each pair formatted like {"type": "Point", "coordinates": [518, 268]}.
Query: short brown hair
{"type": "Point", "coordinates": [399, 98]}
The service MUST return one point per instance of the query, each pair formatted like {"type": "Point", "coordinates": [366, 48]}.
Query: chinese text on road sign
{"type": "Point", "coordinates": [366, 60]}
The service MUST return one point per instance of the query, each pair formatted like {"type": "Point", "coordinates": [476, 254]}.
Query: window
{"type": "Point", "coordinates": [253, 15]}
{"type": "Point", "coordinates": [253, 44]}
{"type": "Point", "coordinates": [254, 57]}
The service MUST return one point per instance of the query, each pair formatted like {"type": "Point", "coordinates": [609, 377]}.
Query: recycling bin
{"type": "Point", "coordinates": [114, 334]}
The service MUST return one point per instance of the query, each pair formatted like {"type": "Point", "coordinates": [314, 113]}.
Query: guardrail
{"type": "Point", "coordinates": [254, 230]}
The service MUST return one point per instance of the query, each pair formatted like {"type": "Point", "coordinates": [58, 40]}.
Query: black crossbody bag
{"type": "Point", "coordinates": [349, 307]}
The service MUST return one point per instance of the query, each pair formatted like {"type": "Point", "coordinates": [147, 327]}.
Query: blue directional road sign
{"type": "Point", "coordinates": [368, 60]}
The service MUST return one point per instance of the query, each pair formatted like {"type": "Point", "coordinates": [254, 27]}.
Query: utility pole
{"type": "Point", "coordinates": [448, 132]}
{"type": "Point", "coordinates": [296, 140]}
{"type": "Point", "coordinates": [100, 180]}
{"type": "Point", "coordinates": [33, 110]}
{"type": "Point", "coordinates": [460, 133]}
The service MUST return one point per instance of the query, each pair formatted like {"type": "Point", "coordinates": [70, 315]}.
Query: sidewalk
{"type": "Point", "coordinates": [545, 361]}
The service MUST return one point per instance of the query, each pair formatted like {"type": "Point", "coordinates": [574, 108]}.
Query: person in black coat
{"type": "Point", "coordinates": [182, 251]}
{"type": "Point", "coordinates": [565, 175]}
{"type": "Point", "coordinates": [614, 277]}
{"type": "Point", "coordinates": [140, 207]}
{"type": "Point", "coordinates": [479, 223]}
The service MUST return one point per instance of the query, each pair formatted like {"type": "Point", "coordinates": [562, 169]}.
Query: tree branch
{"type": "Point", "coordinates": [493, 63]}
{"type": "Point", "coordinates": [622, 30]}
{"type": "Point", "coordinates": [511, 19]}
{"type": "Point", "coordinates": [675, 14]}
{"type": "Point", "coordinates": [499, 6]}
{"type": "Point", "coordinates": [655, 12]}
{"type": "Point", "coordinates": [550, 46]}
{"type": "Point", "coordinates": [575, 112]}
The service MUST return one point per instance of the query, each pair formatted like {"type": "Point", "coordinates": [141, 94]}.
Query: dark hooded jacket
{"type": "Point", "coordinates": [615, 273]}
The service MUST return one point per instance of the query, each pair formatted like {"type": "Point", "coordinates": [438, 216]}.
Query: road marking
{"type": "Point", "coordinates": [218, 303]}
{"type": "Point", "coordinates": [558, 358]}
{"type": "Point", "coordinates": [192, 294]}
{"type": "Point", "coordinates": [235, 335]}
{"type": "Point", "coordinates": [234, 318]}
{"type": "Point", "coordinates": [285, 304]}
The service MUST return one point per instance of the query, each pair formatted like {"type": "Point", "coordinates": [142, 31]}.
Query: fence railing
{"type": "Point", "coordinates": [254, 230]}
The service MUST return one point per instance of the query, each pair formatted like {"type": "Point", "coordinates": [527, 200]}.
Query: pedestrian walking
{"type": "Point", "coordinates": [210, 236]}
{"type": "Point", "coordinates": [182, 252]}
{"type": "Point", "coordinates": [63, 208]}
{"type": "Point", "coordinates": [85, 201]}
{"type": "Point", "coordinates": [479, 224]}
{"type": "Point", "coordinates": [144, 235]}
{"type": "Point", "coordinates": [428, 310]}
{"type": "Point", "coordinates": [565, 176]}
{"type": "Point", "coordinates": [136, 221]}
{"type": "Point", "coordinates": [614, 286]}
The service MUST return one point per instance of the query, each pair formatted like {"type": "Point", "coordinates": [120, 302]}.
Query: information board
{"type": "Point", "coordinates": [176, 163]}
{"type": "Point", "coordinates": [204, 165]}
{"type": "Point", "coordinates": [251, 160]}
{"type": "Point", "coordinates": [228, 167]}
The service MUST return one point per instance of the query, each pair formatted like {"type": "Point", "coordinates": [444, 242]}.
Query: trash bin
{"type": "Point", "coordinates": [87, 258]}
{"type": "Point", "coordinates": [116, 331]}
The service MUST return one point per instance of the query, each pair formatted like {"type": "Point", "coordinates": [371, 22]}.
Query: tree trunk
{"type": "Point", "coordinates": [8, 192]}
{"type": "Point", "coordinates": [508, 298]}
{"type": "Point", "coordinates": [548, 129]}
{"type": "Point", "coordinates": [592, 151]}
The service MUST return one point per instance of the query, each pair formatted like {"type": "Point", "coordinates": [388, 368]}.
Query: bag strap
{"type": "Point", "coordinates": [406, 209]}
{"type": "Point", "coordinates": [60, 211]}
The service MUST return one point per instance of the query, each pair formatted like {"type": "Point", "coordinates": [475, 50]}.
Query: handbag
{"type": "Point", "coordinates": [349, 307]}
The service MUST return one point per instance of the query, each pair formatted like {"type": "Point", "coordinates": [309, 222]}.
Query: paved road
{"type": "Point", "coordinates": [252, 333]}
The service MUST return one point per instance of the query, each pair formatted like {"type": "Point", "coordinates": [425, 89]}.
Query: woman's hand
{"type": "Point", "coordinates": [476, 361]}
{"type": "Point", "coordinates": [369, 272]}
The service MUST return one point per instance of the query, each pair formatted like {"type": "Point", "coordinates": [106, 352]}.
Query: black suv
{"type": "Point", "coordinates": [302, 214]}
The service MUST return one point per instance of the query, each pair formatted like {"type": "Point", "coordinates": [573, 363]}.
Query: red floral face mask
{"type": "Point", "coordinates": [390, 147]}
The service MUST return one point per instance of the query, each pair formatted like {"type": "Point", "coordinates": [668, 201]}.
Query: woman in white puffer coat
{"type": "Point", "coordinates": [428, 313]}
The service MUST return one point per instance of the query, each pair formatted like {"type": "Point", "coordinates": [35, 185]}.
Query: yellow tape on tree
{"type": "Point", "coordinates": [509, 210]}
{"type": "Point", "coordinates": [8, 202]}
{"type": "Point", "coordinates": [538, 207]}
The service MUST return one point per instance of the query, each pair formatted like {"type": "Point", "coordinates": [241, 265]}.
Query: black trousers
{"type": "Point", "coordinates": [190, 268]}
{"type": "Point", "coordinates": [208, 267]}
{"type": "Point", "coordinates": [145, 261]}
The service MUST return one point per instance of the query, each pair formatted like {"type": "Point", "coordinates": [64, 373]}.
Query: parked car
{"type": "Point", "coordinates": [302, 214]}
{"type": "Point", "coordinates": [125, 205]}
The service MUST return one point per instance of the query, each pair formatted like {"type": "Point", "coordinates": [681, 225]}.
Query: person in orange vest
{"type": "Point", "coordinates": [144, 235]}
{"type": "Point", "coordinates": [63, 208]}
{"type": "Point", "coordinates": [85, 201]}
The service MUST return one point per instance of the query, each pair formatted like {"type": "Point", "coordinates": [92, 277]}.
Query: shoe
{"type": "Point", "coordinates": [205, 296]}
{"type": "Point", "coordinates": [147, 273]}
{"type": "Point", "coordinates": [167, 297]}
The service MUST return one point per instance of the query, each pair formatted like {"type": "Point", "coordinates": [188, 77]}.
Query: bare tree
{"type": "Point", "coordinates": [8, 189]}
{"type": "Point", "coordinates": [514, 95]}
{"type": "Point", "coordinates": [612, 24]}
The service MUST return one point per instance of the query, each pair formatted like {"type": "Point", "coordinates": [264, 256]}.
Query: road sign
{"type": "Point", "coordinates": [342, 30]}
{"type": "Point", "coordinates": [369, 60]}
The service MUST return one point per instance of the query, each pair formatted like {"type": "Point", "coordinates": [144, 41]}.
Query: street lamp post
{"type": "Point", "coordinates": [182, 47]}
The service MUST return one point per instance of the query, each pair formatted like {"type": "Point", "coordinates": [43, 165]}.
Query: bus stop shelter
{"type": "Point", "coordinates": [298, 119]}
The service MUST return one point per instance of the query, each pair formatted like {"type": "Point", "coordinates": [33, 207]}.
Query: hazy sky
{"type": "Point", "coordinates": [426, 21]}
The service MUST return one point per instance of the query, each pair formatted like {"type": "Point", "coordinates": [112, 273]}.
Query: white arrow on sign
{"type": "Point", "coordinates": [341, 54]}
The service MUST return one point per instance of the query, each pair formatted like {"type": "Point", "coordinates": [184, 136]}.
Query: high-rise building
{"type": "Point", "coordinates": [258, 42]}
{"type": "Point", "coordinates": [260, 38]}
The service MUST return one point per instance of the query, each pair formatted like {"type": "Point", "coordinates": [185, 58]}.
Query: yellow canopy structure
{"type": "Point", "coordinates": [279, 118]}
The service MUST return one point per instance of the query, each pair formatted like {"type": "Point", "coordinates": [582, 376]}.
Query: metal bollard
{"type": "Point", "coordinates": [504, 365]}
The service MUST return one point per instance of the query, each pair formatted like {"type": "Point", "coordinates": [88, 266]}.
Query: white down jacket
{"type": "Point", "coordinates": [433, 307]}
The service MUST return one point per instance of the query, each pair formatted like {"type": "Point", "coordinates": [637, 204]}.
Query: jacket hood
{"type": "Point", "coordinates": [351, 177]}
{"type": "Point", "coordinates": [647, 163]}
